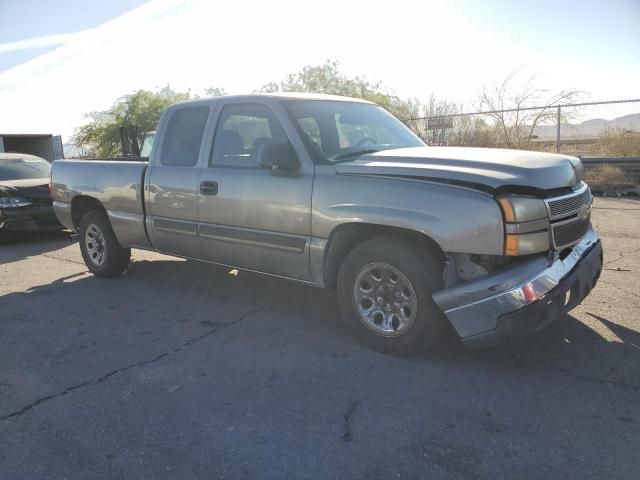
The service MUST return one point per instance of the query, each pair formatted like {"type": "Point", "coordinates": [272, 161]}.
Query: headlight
{"type": "Point", "coordinates": [12, 202]}
{"type": "Point", "coordinates": [526, 225]}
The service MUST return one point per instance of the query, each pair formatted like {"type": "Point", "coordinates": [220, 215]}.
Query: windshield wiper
{"type": "Point", "coordinates": [355, 154]}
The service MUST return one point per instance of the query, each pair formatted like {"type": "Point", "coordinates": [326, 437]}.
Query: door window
{"type": "Point", "coordinates": [311, 129]}
{"type": "Point", "coordinates": [241, 131]}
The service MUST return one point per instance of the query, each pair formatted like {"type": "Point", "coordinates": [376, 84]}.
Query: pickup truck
{"type": "Point", "coordinates": [337, 193]}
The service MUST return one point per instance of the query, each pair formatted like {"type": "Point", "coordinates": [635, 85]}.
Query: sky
{"type": "Point", "coordinates": [60, 60]}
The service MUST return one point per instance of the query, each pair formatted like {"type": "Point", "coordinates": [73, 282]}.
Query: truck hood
{"type": "Point", "coordinates": [486, 168]}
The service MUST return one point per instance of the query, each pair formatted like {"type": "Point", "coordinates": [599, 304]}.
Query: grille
{"type": "Point", "coordinates": [568, 205]}
{"type": "Point", "coordinates": [569, 233]}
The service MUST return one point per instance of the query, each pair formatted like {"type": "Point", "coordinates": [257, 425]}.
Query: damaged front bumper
{"type": "Point", "coordinates": [523, 297]}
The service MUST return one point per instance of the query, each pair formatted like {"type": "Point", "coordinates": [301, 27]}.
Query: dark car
{"type": "Point", "coordinates": [25, 200]}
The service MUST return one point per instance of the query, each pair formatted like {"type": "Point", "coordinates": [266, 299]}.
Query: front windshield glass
{"type": "Point", "coordinates": [337, 131]}
{"type": "Point", "coordinates": [24, 168]}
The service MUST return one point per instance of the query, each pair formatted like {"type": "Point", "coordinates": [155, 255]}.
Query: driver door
{"type": "Point", "coordinates": [250, 216]}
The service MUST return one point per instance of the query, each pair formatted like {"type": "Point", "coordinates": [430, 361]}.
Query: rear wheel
{"type": "Point", "coordinates": [384, 293]}
{"type": "Point", "coordinates": [100, 249]}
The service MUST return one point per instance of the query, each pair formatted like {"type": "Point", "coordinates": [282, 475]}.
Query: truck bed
{"type": "Point", "coordinates": [116, 184]}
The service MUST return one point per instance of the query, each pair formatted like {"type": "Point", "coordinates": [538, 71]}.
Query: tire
{"type": "Point", "coordinates": [100, 249]}
{"type": "Point", "coordinates": [402, 318]}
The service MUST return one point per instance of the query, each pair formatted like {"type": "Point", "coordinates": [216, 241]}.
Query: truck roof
{"type": "Point", "coordinates": [281, 96]}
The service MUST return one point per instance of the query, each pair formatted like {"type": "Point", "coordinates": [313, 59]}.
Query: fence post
{"type": "Point", "coordinates": [558, 131]}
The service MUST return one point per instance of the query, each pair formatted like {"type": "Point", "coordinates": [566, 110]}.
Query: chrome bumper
{"type": "Point", "coordinates": [474, 308]}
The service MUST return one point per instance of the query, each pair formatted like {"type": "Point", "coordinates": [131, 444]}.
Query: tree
{"type": "Point", "coordinates": [101, 135]}
{"type": "Point", "coordinates": [509, 108]}
{"type": "Point", "coordinates": [327, 78]}
{"type": "Point", "coordinates": [214, 92]}
{"type": "Point", "coordinates": [429, 120]}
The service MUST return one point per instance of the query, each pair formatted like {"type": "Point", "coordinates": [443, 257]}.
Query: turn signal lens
{"type": "Point", "coordinates": [511, 245]}
{"type": "Point", "coordinates": [507, 209]}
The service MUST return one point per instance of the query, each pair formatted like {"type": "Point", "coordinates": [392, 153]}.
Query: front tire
{"type": "Point", "coordinates": [99, 246]}
{"type": "Point", "coordinates": [384, 294]}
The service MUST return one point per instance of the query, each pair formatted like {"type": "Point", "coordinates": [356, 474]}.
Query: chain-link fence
{"type": "Point", "coordinates": [606, 135]}
{"type": "Point", "coordinates": [596, 129]}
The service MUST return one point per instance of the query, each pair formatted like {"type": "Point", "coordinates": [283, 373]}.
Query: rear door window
{"type": "Point", "coordinates": [183, 136]}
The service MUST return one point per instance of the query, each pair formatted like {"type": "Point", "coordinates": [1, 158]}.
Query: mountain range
{"type": "Point", "coordinates": [589, 128]}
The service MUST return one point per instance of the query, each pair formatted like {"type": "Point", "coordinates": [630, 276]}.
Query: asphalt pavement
{"type": "Point", "coordinates": [181, 370]}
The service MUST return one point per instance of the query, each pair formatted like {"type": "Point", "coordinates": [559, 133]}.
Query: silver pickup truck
{"type": "Point", "coordinates": [337, 193]}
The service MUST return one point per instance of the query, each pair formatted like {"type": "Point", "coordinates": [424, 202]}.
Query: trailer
{"type": "Point", "coordinates": [46, 146]}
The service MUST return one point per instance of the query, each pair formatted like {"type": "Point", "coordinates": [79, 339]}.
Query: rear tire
{"type": "Point", "coordinates": [99, 246]}
{"type": "Point", "coordinates": [384, 294]}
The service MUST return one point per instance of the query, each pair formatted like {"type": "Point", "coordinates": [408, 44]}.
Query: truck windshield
{"type": "Point", "coordinates": [24, 168]}
{"type": "Point", "coordinates": [336, 131]}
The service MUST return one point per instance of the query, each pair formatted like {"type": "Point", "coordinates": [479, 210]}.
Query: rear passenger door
{"type": "Point", "coordinates": [172, 185]}
{"type": "Point", "coordinates": [251, 216]}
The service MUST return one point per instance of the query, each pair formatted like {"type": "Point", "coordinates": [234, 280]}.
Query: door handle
{"type": "Point", "coordinates": [209, 188]}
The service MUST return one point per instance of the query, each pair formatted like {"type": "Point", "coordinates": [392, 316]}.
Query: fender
{"type": "Point", "coordinates": [456, 218]}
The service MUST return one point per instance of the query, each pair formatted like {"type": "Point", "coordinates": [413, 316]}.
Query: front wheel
{"type": "Point", "coordinates": [99, 246]}
{"type": "Point", "coordinates": [384, 294]}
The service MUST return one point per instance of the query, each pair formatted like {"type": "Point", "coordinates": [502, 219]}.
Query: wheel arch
{"type": "Point", "coordinates": [81, 205]}
{"type": "Point", "coordinates": [346, 237]}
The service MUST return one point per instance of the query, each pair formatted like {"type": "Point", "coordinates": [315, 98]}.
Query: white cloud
{"type": "Point", "coordinates": [39, 42]}
{"type": "Point", "coordinates": [414, 47]}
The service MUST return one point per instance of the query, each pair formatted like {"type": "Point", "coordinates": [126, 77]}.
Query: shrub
{"type": "Point", "coordinates": [620, 143]}
{"type": "Point", "coordinates": [606, 178]}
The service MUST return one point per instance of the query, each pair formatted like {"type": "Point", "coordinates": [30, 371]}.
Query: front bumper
{"type": "Point", "coordinates": [28, 218]}
{"type": "Point", "coordinates": [524, 297]}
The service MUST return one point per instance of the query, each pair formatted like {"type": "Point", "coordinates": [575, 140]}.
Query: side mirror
{"type": "Point", "coordinates": [278, 156]}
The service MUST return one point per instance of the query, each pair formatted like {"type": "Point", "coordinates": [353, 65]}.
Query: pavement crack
{"type": "Point", "coordinates": [623, 290]}
{"type": "Point", "coordinates": [549, 365]}
{"type": "Point", "coordinates": [347, 436]}
{"type": "Point", "coordinates": [106, 376]}
{"type": "Point", "coordinates": [65, 260]}
{"type": "Point", "coordinates": [620, 257]}
{"type": "Point", "coordinates": [586, 378]}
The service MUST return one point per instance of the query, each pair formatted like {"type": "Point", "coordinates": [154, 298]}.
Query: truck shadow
{"type": "Point", "coordinates": [16, 246]}
{"type": "Point", "coordinates": [568, 346]}
{"type": "Point", "coordinates": [608, 353]}
{"type": "Point", "coordinates": [244, 287]}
